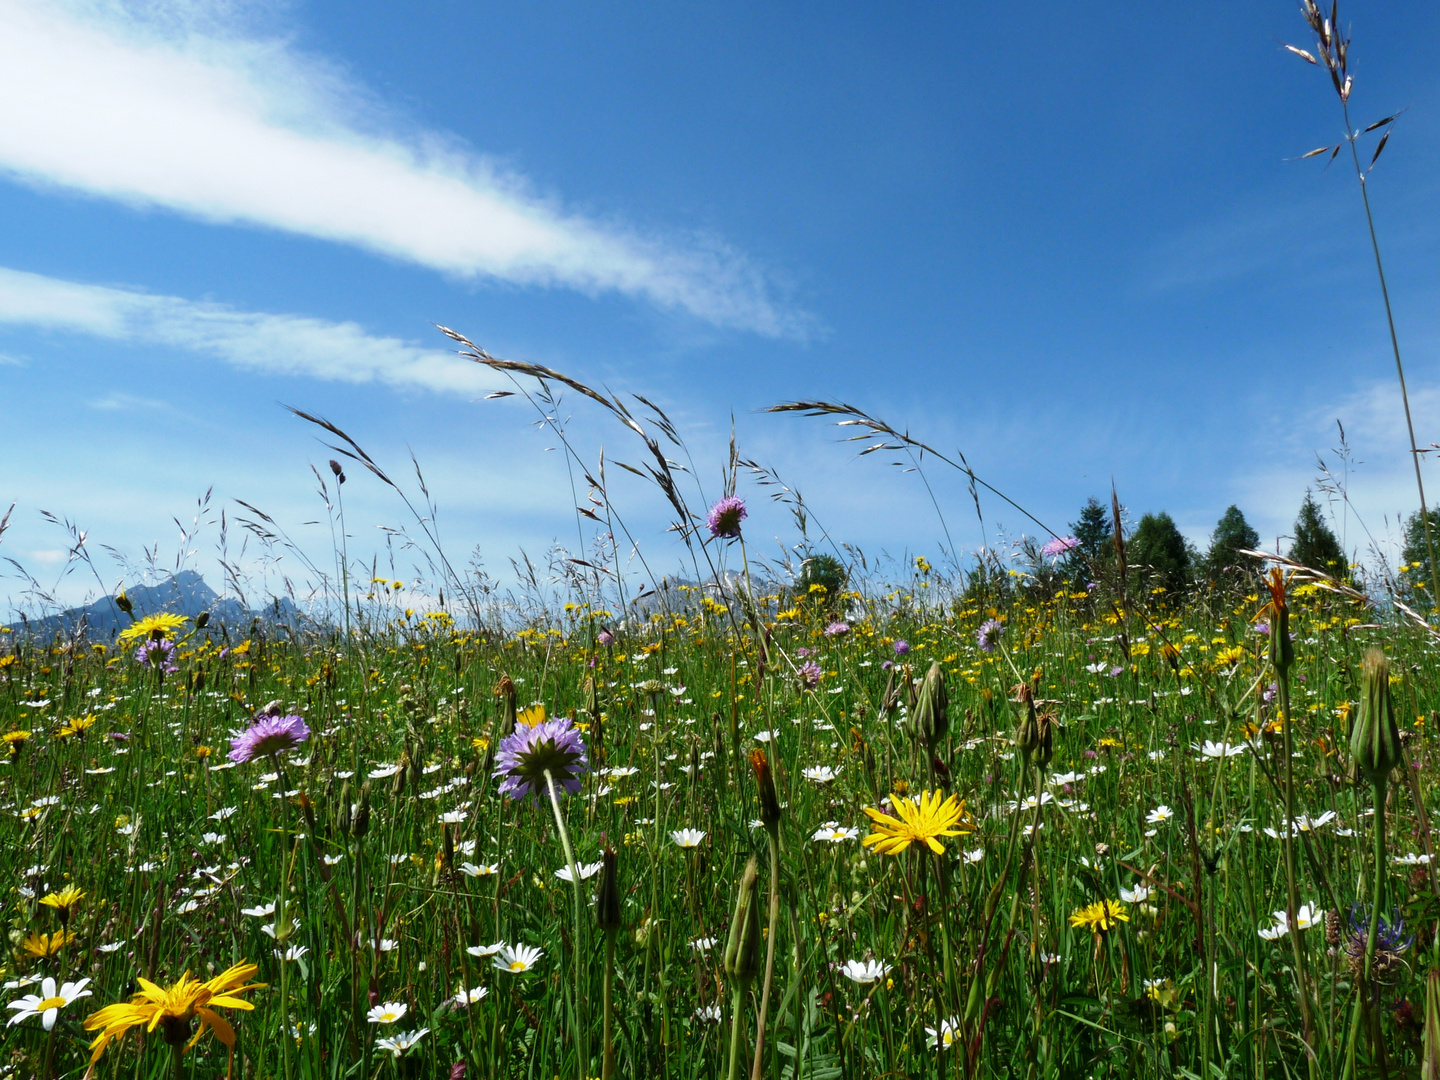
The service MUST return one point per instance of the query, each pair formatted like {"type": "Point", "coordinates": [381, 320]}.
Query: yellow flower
{"type": "Point", "coordinates": [920, 821]}
{"type": "Point", "coordinates": [1226, 657]}
{"type": "Point", "coordinates": [39, 945]}
{"type": "Point", "coordinates": [1101, 916]}
{"type": "Point", "coordinates": [78, 726]}
{"type": "Point", "coordinates": [531, 716]}
{"type": "Point", "coordinates": [173, 1008]}
{"type": "Point", "coordinates": [151, 626]}
{"type": "Point", "coordinates": [64, 900]}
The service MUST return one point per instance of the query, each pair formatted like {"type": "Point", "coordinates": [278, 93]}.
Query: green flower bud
{"type": "Point", "coordinates": [742, 950]}
{"type": "Point", "coordinates": [930, 719]}
{"type": "Point", "coordinates": [607, 901]}
{"type": "Point", "coordinates": [1027, 732]}
{"type": "Point", "coordinates": [360, 823]}
{"type": "Point", "coordinates": [1045, 746]}
{"type": "Point", "coordinates": [1375, 740]}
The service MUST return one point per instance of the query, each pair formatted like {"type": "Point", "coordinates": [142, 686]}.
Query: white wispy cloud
{"type": "Point", "coordinates": [206, 120]}
{"type": "Point", "coordinates": [280, 344]}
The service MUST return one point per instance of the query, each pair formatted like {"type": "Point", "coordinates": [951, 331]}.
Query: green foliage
{"type": "Point", "coordinates": [1159, 555]}
{"type": "Point", "coordinates": [1315, 544]}
{"type": "Point", "coordinates": [1415, 578]}
{"type": "Point", "coordinates": [826, 571]}
{"type": "Point", "coordinates": [1223, 562]}
{"type": "Point", "coordinates": [1093, 530]}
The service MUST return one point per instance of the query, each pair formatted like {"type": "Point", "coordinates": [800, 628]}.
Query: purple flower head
{"type": "Point", "coordinates": [988, 637]}
{"type": "Point", "coordinates": [525, 755]}
{"type": "Point", "coordinates": [802, 652]}
{"type": "Point", "coordinates": [606, 638]}
{"type": "Point", "coordinates": [725, 517]}
{"type": "Point", "coordinates": [1059, 546]}
{"type": "Point", "coordinates": [902, 647]}
{"type": "Point", "coordinates": [157, 654]}
{"type": "Point", "coordinates": [809, 675]}
{"type": "Point", "coordinates": [887, 665]}
{"type": "Point", "coordinates": [1262, 628]}
{"type": "Point", "coordinates": [837, 629]}
{"type": "Point", "coordinates": [1116, 670]}
{"type": "Point", "coordinates": [1268, 695]}
{"type": "Point", "coordinates": [268, 736]}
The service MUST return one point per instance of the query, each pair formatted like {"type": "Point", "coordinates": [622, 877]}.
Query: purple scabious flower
{"type": "Point", "coordinates": [1061, 545]}
{"type": "Point", "coordinates": [837, 629]}
{"type": "Point", "coordinates": [902, 647]}
{"type": "Point", "coordinates": [725, 517]}
{"type": "Point", "coordinates": [157, 654]}
{"type": "Point", "coordinates": [802, 652]}
{"type": "Point", "coordinates": [810, 675]}
{"type": "Point", "coordinates": [1262, 628]}
{"type": "Point", "coordinates": [605, 637]}
{"type": "Point", "coordinates": [525, 755]}
{"type": "Point", "coordinates": [988, 636]}
{"type": "Point", "coordinates": [268, 736]}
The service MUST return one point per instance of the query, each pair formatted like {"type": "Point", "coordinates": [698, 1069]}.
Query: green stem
{"type": "Point", "coordinates": [1292, 893]}
{"type": "Point", "coordinates": [580, 1041]}
{"type": "Point", "coordinates": [607, 1066]}
{"type": "Point", "coordinates": [773, 831]}
{"type": "Point", "coordinates": [737, 999]}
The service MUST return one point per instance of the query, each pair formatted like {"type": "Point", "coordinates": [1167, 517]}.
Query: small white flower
{"type": "Point", "coordinates": [384, 772]}
{"type": "Point", "coordinates": [948, 1034]}
{"type": "Point", "coordinates": [465, 998]}
{"type": "Point", "coordinates": [485, 950]}
{"type": "Point", "coordinates": [48, 1003]}
{"type": "Point", "coordinates": [765, 736]}
{"type": "Point", "coordinates": [1411, 859]}
{"type": "Point", "coordinates": [388, 1013]}
{"type": "Point", "coordinates": [833, 833]}
{"type": "Point", "coordinates": [294, 952]}
{"type": "Point", "coordinates": [517, 958]}
{"type": "Point", "coordinates": [687, 838]}
{"type": "Point", "coordinates": [454, 817]}
{"type": "Point", "coordinates": [469, 869]}
{"type": "Point", "coordinates": [264, 911]}
{"type": "Point", "coordinates": [708, 1014]}
{"type": "Point", "coordinates": [386, 945]}
{"type": "Point", "coordinates": [398, 1044]}
{"type": "Point", "coordinates": [978, 855]}
{"type": "Point", "coordinates": [1159, 815]}
{"type": "Point", "coordinates": [703, 944]}
{"type": "Point", "coordinates": [1137, 895]}
{"type": "Point", "coordinates": [587, 871]}
{"type": "Point", "coordinates": [864, 971]}
{"type": "Point", "coordinates": [1220, 750]}
{"type": "Point", "coordinates": [820, 774]}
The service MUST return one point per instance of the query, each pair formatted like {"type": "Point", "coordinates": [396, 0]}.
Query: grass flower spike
{"type": "Point", "coordinates": [920, 821]}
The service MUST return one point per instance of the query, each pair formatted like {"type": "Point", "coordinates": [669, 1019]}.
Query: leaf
{"type": "Point", "coordinates": [1303, 55]}
{"type": "Point", "coordinates": [1383, 140]}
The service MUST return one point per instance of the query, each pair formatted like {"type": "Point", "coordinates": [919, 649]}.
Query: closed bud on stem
{"type": "Point", "coordinates": [765, 782]}
{"type": "Point", "coordinates": [342, 814]}
{"type": "Point", "coordinates": [123, 603]}
{"type": "Point", "coordinates": [1027, 732]}
{"type": "Point", "coordinates": [360, 823]}
{"type": "Point", "coordinates": [202, 620]}
{"type": "Point", "coordinates": [1375, 739]}
{"type": "Point", "coordinates": [890, 702]}
{"type": "Point", "coordinates": [931, 720]}
{"type": "Point", "coordinates": [607, 900]}
{"type": "Point", "coordinates": [1045, 746]}
{"type": "Point", "coordinates": [742, 950]}
{"type": "Point", "coordinates": [505, 691]}
{"type": "Point", "coordinates": [1282, 649]}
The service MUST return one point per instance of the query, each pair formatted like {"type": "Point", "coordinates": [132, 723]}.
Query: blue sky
{"type": "Point", "coordinates": [1072, 248]}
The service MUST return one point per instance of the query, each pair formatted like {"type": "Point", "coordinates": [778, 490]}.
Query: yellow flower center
{"type": "Point", "coordinates": [517, 965]}
{"type": "Point", "coordinates": [50, 1003]}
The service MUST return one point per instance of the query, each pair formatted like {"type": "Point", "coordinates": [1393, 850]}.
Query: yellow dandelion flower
{"type": "Point", "coordinates": [920, 821]}
{"type": "Point", "coordinates": [172, 1009]}
{"type": "Point", "coordinates": [157, 626]}
{"type": "Point", "coordinates": [65, 899]}
{"type": "Point", "coordinates": [40, 945]}
{"type": "Point", "coordinates": [1101, 916]}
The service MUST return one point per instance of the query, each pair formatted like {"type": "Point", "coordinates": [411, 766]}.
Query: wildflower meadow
{"type": "Point", "coordinates": [1086, 805]}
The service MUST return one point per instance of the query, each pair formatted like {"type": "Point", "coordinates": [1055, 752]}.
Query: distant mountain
{"type": "Point", "coordinates": [184, 593]}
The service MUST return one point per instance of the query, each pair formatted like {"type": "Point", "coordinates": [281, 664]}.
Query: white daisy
{"type": "Point", "coordinates": [48, 1003]}
{"type": "Point", "coordinates": [687, 838]}
{"type": "Point", "coordinates": [388, 1013]}
{"type": "Point", "coordinates": [517, 959]}
{"type": "Point", "coordinates": [864, 971]}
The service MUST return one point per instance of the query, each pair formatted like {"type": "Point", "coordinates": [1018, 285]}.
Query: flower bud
{"type": "Point", "coordinates": [742, 950]}
{"type": "Point", "coordinates": [1282, 649]}
{"type": "Point", "coordinates": [1375, 739]}
{"type": "Point", "coordinates": [360, 822]}
{"type": "Point", "coordinates": [1027, 732]}
{"type": "Point", "coordinates": [765, 782]}
{"type": "Point", "coordinates": [123, 603]}
{"type": "Point", "coordinates": [930, 720]}
{"type": "Point", "coordinates": [342, 814]}
{"type": "Point", "coordinates": [1045, 746]}
{"type": "Point", "coordinates": [505, 691]}
{"type": "Point", "coordinates": [607, 901]}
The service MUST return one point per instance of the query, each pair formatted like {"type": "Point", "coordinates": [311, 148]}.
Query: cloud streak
{"type": "Point", "coordinates": [231, 128]}
{"type": "Point", "coordinates": [294, 345]}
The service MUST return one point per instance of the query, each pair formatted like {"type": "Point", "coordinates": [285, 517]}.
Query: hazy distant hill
{"type": "Point", "coordinates": [184, 593]}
